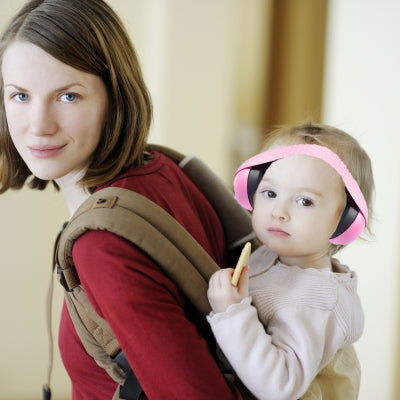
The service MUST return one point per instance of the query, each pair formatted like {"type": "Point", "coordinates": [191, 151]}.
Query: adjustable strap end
{"type": "Point", "coordinates": [68, 278]}
{"type": "Point", "coordinates": [46, 392]}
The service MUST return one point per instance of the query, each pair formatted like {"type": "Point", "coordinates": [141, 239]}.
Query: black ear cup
{"type": "Point", "coordinates": [256, 173]}
{"type": "Point", "coordinates": [349, 217]}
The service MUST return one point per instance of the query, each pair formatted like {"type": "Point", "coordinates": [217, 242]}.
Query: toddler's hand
{"type": "Point", "coordinates": [221, 293]}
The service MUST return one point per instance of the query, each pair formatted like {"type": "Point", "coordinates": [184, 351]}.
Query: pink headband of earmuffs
{"type": "Point", "coordinates": [355, 216]}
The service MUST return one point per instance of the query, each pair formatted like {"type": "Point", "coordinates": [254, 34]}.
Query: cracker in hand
{"type": "Point", "coordinates": [243, 260]}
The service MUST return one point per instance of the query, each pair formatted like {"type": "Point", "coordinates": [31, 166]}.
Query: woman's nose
{"type": "Point", "coordinates": [42, 120]}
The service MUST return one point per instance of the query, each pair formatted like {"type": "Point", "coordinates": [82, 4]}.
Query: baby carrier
{"type": "Point", "coordinates": [139, 220]}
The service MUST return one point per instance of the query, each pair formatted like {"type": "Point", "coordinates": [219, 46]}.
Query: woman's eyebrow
{"type": "Point", "coordinates": [60, 89]}
{"type": "Point", "coordinates": [68, 86]}
{"type": "Point", "coordinates": [14, 86]}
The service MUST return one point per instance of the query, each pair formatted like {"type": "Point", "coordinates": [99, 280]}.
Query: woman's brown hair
{"type": "Point", "coordinates": [88, 36]}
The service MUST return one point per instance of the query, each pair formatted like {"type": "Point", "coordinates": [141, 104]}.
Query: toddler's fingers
{"type": "Point", "coordinates": [243, 284]}
{"type": "Point", "coordinates": [220, 278]}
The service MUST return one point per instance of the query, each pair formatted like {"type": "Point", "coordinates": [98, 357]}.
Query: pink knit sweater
{"type": "Point", "coordinates": [304, 317]}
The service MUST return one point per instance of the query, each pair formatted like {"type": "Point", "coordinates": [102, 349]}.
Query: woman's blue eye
{"type": "Point", "coordinates": [21, 97]}
{"type": "Point", "coordinates": [69, 97]}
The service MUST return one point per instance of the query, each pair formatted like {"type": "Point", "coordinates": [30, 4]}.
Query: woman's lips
{"type": "Point", "coordinates": [45, 151]}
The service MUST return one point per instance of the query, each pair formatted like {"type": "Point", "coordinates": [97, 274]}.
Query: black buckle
{"type": "Point", "coordinates": [131, 389]}
{"type": "Point", "coordinates": [62, 280]}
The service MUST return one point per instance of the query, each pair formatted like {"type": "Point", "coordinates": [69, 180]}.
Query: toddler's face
{"type": "Point", "coordinates": [298, 205]}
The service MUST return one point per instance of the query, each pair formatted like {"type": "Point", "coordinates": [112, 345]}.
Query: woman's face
{"type": "Point", "coordinates": [55, 113]}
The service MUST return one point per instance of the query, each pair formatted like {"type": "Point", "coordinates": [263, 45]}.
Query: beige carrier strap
{"type": "Point", "coordinates": [96, 336]}
{"type": "Point", "coordinates": [152, 229]}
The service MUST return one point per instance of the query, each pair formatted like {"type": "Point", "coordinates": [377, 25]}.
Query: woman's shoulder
{"type": "Point", "coordinates": [133, 176]}
{"type": "Point", "coordinates": [160, 178]}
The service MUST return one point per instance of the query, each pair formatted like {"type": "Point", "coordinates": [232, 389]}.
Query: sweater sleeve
{"type": "Point", "coordinates": [282, 362]}
{"type": "Point", "coordinates": [145, 311]}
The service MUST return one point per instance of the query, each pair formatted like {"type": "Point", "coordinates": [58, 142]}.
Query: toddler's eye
{"type": "Point", "coordinates": [305, 202]}
{"type": "Point", "coordinates": [269, 193]}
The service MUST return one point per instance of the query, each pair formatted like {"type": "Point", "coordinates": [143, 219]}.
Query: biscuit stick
{"type": "Point", "coordinates": [243, 259]}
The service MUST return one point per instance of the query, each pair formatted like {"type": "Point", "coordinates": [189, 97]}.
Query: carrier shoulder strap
{"type": "Point", "coordinates": [139, 220]}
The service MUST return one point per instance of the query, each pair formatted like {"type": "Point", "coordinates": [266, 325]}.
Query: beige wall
{"type": "Point", "coordinates": [29, 222]}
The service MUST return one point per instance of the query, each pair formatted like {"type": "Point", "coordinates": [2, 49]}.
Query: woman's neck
{"type": "Point", "coordinates": [73, 193]}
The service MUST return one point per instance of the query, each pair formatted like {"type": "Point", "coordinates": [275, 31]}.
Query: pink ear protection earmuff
{"type": "Point", "coordinates": [355, 216]}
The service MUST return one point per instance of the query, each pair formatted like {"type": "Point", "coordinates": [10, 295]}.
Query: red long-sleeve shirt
{"type": "Point", "coordinates": [144, 308]}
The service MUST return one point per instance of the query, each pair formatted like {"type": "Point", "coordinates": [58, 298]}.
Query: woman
{"type": "Point", "coordinates": [76, 112]}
